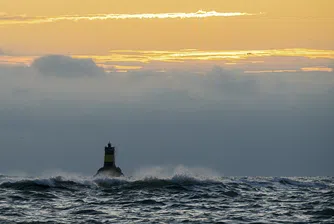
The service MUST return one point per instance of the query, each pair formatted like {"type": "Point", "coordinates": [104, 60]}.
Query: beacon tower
{"type": "Point", "coordinates": [109, 168]}
{"type": "Point", "coordinates": [109, 156]}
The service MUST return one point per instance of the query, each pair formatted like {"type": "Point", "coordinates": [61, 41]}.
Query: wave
{"type": "Point", "coordinates": [40, 183]}
{"type": "Point", "coordinates": [179, 178]}
{"type": "Point", "coordinates": [299, 182]}
{"type": "Point", "coordinates": [63, 183]}
{"type": "Point", "coordinates": [173, 178]}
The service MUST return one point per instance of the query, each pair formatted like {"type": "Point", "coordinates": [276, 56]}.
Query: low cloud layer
{"type": "Point", "coordinates": [64, 66]}
{"type": "Point", "coordinates": [235, 123]}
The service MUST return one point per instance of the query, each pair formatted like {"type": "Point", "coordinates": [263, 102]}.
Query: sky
{"type": "Point", "coordinates": [237, 86]}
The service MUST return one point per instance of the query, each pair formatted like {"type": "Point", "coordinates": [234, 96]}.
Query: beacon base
{"type": "Point", "coordinates": [109, 172]}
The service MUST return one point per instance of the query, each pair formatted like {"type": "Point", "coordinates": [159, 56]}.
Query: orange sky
{"type": "Point", "coordinates": [283, 24]}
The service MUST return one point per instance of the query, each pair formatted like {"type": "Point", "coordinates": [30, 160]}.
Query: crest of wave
{"type": "Point", "coordinates": [61, 175]}
{"type": "Point", "coordinates": [176, 173]}
{"type": "Point", "coordinates": [47, 178]}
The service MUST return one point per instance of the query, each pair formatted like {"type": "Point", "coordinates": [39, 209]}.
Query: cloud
{"type": "Point", "coordinates": [2, 52]}
{"type": "Point", "coordinates": [64, 66]}
{"type": "Point", "coordinates": [23, 19]}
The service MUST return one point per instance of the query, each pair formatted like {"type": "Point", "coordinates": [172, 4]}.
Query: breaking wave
{"type": "Point", "coordinates": [156, 177]}
{"type": "Point", "coordinates": [146, 177]}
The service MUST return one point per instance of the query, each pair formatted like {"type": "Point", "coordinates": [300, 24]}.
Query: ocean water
{"type": "Point", "coordinates": [182, 196]}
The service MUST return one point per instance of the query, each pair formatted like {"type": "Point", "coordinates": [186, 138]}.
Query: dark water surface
{"type": "Point", "coordinates": [180, 198]}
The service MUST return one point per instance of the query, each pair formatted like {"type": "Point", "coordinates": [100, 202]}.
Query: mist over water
{"type": "Point", "coordinates": [165, 195]}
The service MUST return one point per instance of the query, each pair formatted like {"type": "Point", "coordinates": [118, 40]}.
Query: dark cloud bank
{"type": "Point", "coordinates": [237, 124]}
{"type": "Point", "coordinates": [64, 66]}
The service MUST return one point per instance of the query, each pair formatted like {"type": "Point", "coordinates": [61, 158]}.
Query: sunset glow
{"type": "Point", "coordinates": [257, 36]}
{"type": "Point", "coordinates": [135, 60]}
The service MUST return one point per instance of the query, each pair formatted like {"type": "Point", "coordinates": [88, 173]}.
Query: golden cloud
{"type": "Point", "coordinates": [6, 19]}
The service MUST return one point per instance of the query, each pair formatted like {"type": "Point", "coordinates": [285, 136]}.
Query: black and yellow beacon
{"type": "Point", "coordinates": [109, 156]}
{"type": "Point", "coordinates": [109, 168]}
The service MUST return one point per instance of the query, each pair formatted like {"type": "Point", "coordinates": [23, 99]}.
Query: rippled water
{"type": "Point", "coordinates": [179, 198]}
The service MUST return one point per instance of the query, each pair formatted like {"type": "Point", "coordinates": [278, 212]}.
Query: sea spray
{"type": "Point", "coordinates": [170, 172]}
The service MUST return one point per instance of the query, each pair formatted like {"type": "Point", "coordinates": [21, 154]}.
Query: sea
{"type": "Point", "coordinates": [157, 197]}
